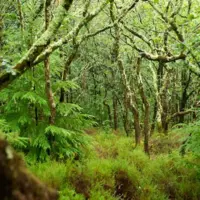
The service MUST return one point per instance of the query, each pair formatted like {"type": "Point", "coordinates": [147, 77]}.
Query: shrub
{"type": "Point", "coordinates": [123, 173]}
{"type": "Point", "coordinates": [52, 173]}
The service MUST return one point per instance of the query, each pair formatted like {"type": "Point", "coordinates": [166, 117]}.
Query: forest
{"type": "Point", "coordinates": [99, 100]}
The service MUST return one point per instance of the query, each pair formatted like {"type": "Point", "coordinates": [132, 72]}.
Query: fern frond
{"type": "Point", "coordinates": [68, 108]}
{"type": "Point", "coordinates": [54, 130]}
{"type": "Point", "coordinates": [66, 85]}
{"type": "Point", "coordinates": [30, 97]}
{"type": "Point", "coordinates": [40, 141]}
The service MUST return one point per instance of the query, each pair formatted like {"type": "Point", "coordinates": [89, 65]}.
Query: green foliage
{"type": "Point", "coordinates": [191, 142]}
{"type": "Point", "coordinates": [98, 192]}
{"type": "Point", "coordinates": [106, 166]}
{"type": "Point", "coordinates": [69, 193]}
{"type": "Point", "coordinates": [26, 113]}
{"type": "Point", "coordinates": [121, 176]}
{"type": "Point", "coordinates": [53, 178]}
{"type": "Point", "coordinates": [66, 85]}
{"type": "Point", "coordinates": [13, 137]}
{"type": "Point", "coordinates": [66, 143]}
{"type": "Point", "coordinates": [162, 143]}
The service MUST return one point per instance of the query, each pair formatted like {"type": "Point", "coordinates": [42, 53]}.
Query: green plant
{"type": "Point", "coordinates": [192, 141]}
{"type": "Point", "coordinates": [26, 114]}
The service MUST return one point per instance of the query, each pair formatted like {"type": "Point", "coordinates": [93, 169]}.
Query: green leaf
{"type": "Point", "coordinates": [191, 17]}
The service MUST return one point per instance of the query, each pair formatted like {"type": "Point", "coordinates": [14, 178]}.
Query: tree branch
{"type": "Point", "coordinates": [26, 62]}
{"type": "Point", "coordinates": [162, 58]}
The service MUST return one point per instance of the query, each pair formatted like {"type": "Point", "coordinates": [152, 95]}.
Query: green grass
{"type": "Point", "coordinates": [112, 170]}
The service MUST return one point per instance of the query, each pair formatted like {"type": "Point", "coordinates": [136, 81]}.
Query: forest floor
{"type": "Point", "coordinates": [112, 169]}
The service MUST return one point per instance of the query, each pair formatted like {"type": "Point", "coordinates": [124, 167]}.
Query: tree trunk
{"type": "Point", "coordinates": [37, 48]}
{"type": "Point", "coordinates": [164, 113]}
{"type": "Point", "coordinates": [132, 105]}
{"type": "Point", "coordinates": [108, 108]}
{"type": "Point", "coordinates": [182, 107]}
{"type": "Point", "coordinates": [153, 125]}
{"type": "Point", "coordinates": [114, 55]}
{"type": "Point", "coordinates": [125, 82]}
{"type": "Point", "coordinates": [185, 82]}
{"type": "Point", "coordinates": [146, 123]}
{"type": "Point", "coordinates": [158, 103]}
{"type": "Point", "coordinates": [163, 96]}
{"type": "Point", "coordinates": [1, 32]}
{"type": "Point", "coordinates": [136, 126]}
{"type": "Point", "coordinates": [21, 19]}
{"type": "Point", "coordinates": [16, 182]}
{"type": "Point", "coordinates": [125, 115]}
{"type": "Point", "coordinates": [49, 92]}
{"type": "Point", "coordinates": [115, 113]}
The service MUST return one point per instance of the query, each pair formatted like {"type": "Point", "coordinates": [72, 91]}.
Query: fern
{"type": "Point", "coordinates": [12, 137]}
{"type": "Point", "coordinates": [67, 143]}
{"type": "Point", "coordinates": [68, 108]}
{"type": "Point", "coordinates": [66, 85]}
{"type": "Point", "coordinates": [54, 130]}
{"type": "Point", "coordinates": [33, 132]}
{"type": "Point", "coordinates": [17, 141]}
{"type": "Point", "coordinates": [3, 124]}
{"type": "Point", "coordinates": [192, 142]}
{"type": "Point", "coordinates": [30, 97]}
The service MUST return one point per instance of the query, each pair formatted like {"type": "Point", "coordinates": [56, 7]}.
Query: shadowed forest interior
{"type": "Point", "coordinates": [99, 99]}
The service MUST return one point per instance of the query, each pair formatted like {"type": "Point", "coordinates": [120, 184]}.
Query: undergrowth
{"type": "Point", "coordinates": [112, 170]}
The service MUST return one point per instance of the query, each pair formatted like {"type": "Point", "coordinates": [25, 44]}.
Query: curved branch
{"type": "Point", "coordinates": [162, 58]}
{"type": "Point", "coordinates": [25, 63]}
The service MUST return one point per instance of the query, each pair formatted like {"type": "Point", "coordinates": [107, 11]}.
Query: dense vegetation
{"type": "Point", "coordinates": [112, 170]}
{"type": "Point", "coordinates": [102, 98]}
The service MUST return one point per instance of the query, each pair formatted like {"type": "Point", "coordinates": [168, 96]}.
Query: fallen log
{"type": "Point", "coordinates": [16, 183]}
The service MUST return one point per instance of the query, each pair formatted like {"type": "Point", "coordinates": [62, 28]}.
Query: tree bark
{"type": "Point", "coordinates": [49, 92]}
{"type": "Point", "coordinates": [114, 55]}
{"type": "Point", "coordinates": [16, 182]}
{"type": "Point", "coordinates": [185, 82]}
{"type": "Point", "coordinates": [146, 123]}
{"type": "Point", "coordinates": [126, 85]}
{"type": "Point", "coordinates": [21, 18]}
{"type": "Point", "coordinates": [153, 125]}
{"type": "Point", "coordinates": [115, 113]}
{"type": "Point", "coordinates": [125, 115]}
{"type": "Point", "coordinates": [36, 49]}
{"type": "Point", "coordinates": [132, 105]}
{"type": "Point", "coordinates": [48, 88]}
{"type": "Point", "coordinates": [108, 108]}
{"type": "Point", "coordinates": [1, 31]}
